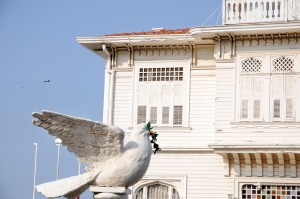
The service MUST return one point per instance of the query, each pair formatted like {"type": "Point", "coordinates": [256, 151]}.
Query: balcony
{"type": "Point", "coordinates": [259, 11]}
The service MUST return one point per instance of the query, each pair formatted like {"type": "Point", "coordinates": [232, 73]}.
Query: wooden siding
{"type": "Point", "coordinates": [228, 128]}
{"type": "Point", "coordinates": [122, 59]}
{"type": "Point", "coordinates": [122, 106]}
{"type": "Point", "coordinates": [205, 56]}
{"type": "Point", "coordinates": [225, 84]}
{"type": "Point", "coordinates": [204, 173]}
{"type": "Point", "coordinates": [202, 109]}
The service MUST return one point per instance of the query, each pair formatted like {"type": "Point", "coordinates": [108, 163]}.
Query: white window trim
{"type": "Point", "coordinates": [282, 99]}
{"type": "Point", "coordinates": [267, 68]}
{"type": "Point", "coordinates": [240, 182]}
{"type": "Point", "coordinates": [250, 100]}
{"type": "Point", "coordinates": [238, 98]}
{"type": "Point", "coordinates": [185, 83]}
{"type": "Point", "coordinates": [179, 182]}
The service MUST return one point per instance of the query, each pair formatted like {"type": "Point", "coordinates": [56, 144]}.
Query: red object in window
{"type": "Point", "coordinates": [78, 197]}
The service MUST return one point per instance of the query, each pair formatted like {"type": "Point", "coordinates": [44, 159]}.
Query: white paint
{"type": "Point", "coordinates": [101, 147]}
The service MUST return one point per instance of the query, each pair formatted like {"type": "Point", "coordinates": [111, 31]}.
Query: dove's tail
{"type": "Point", "coordinates": [68, 187]}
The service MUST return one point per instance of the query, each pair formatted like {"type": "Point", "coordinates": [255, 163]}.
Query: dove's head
{"type": "Point", "coordinates": [140, 129]}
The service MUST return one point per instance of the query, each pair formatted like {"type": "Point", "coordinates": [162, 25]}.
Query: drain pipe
{"type": "Point", "coordinates": [109, 88]}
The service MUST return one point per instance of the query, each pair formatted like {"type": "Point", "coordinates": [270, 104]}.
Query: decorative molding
{"type": "Point", "coordinates": [270, 164]}
{"type": "Point", "coordinates": [258, 164]}
{"type": "Point", "coordinates": [293, 165]}
{"type": "Point", "coordinates": [226, 164]}
{"type": "Point", "coordinates": [281, 164]}
{"type": "Point", "coordinates": [237, 165]}
{"type": "Point", "coordinates": [248, 164]}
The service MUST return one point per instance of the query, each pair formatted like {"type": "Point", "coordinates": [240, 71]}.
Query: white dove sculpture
{"type": "Point", "coordinates": [101, 147]}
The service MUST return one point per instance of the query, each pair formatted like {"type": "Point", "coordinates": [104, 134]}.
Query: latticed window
{"type": "Point", "coordinates": [283, 64]}
{"type": "Point", "coordinates": [251, 89]}
{"type": "Point", "coordinates": [251, 65]}
{"type": "Point", "coordinates": [271, 192]}
{"type": "Point", "coordinates": [268, 93]}
{"type": "Point", "coordinates": [157, 191]}
{"type": "Point", "coordinates": [161, 74]}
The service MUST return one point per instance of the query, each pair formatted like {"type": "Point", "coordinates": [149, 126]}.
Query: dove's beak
{"type": "Point", "coordinates": [151, 132]}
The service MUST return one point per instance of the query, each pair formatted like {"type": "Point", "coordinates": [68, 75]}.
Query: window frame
{"type": "Point", "coordinates": [145, 189]}
{"type": "Point", "coordinates": [172, 84]}
{"type": "Point", "coordinates": [243, 74]}
{"type": "Point", "coordinates": [178, 182]}
{"type": "Point", "coordinates": [241, 181]}
{"type": "Point", "coordinates": [267, 74]}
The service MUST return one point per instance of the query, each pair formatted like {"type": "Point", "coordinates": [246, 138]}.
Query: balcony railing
{"type": "Point", "coordinates": [253, 11]}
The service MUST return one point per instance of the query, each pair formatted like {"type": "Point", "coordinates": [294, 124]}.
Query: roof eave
{"type": "Point", "coordinates": [245, 29]}
{"type": "Point", "coordinates": [134, 39]}
{"type": "Point", "coordinates": [94, 44]}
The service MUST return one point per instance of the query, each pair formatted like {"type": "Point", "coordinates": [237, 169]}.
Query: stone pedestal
{"type": "Point", "coordinates": [110, 192]}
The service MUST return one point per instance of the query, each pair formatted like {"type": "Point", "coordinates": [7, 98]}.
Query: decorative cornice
{"type": "Point", "coordinates": [245, 29]}
{"type": "Point", "coordinates": [256, 148]}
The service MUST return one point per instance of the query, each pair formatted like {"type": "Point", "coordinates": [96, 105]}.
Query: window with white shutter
{"type": "Point", "coordinates": [141, 115]}
{"type": "Point", "coordinates": [251, 89]}
{"type": "Point", "coordinates": [283, 97]}
{"type": "Point", "coordinates": [153, 115]}
{"type": "Point", "coordinates": [177, 115]}
{"type": "Point", "coordinates": [251, 98]}
{"type": "Point", "coordinates": [278, 94]}
{"type": "Point", "coordinates": [161, 91]}
{"type": "Point", "coordinates": [245, 97]}
{"type": "Point", "coordinates": [165, 115]}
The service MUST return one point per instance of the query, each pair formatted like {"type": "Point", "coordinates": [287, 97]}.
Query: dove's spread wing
{"type": "Point", "coordinates": [92, 142]}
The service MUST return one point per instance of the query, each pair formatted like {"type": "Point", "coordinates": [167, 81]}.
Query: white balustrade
{"type": "Point", "coordinates": [252, 11]}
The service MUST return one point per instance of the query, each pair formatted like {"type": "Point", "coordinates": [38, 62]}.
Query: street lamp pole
{"type": "Point", "coordinates": [58, 143]}
{"type": "Point", "coordinates": [34, 177]}
{"type": "Point", "coordinates": [79, 167]}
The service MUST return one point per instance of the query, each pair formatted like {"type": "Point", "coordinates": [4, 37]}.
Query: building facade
{"type": "Point", "coordinates": [225, 101]}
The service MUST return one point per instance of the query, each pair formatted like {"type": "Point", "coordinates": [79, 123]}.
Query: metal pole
{"type": "Point", "coordinates": [35, 161]}
{"type": "Point", "coordinates": [58, 143]}
{"type": "Point", "coordinates": [79, 167]}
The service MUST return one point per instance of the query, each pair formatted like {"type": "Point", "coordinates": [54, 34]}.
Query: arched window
{"type": "Point", "coordinates": [157, 190]}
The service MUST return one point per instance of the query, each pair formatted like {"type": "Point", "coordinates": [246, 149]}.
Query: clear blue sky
{"type": "Point", "coordinates": [37, 43]}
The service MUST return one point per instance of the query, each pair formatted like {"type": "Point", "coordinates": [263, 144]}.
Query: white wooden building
{"type": "Point", "coordinates": [225, 101]}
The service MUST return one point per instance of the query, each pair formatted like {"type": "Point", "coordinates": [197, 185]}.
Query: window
{"type": "Point", "coordinates": [267, 92]}
{"type": "Point", "coordinates": [141, 114]}
{"type": "Point", "coordinates": [283, 97]}
{"type": "Point", "coordinates": [283, 89]}
{"type": "Point", "coordinates": [161, 96]}
{"type": "Point", "coordinates": [270, 191]}
{"type": "Point", "coordinates": [251, 90]}
{"type": "Point", "coordinates": [161, 191]}
{"type": "Point", "coordinates": [161, 74]}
